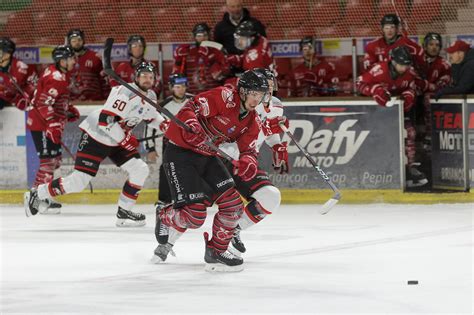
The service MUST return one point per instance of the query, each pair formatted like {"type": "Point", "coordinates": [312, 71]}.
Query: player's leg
{"type": "Point", "coordinates": [414, 177]}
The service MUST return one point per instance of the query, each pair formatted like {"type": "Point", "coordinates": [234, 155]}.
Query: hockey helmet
{"type": "Point", "coordinates": [75, 32]}
{"type": "Point", "coordinates": [270, 75]}
{"type": "Point", "coordinates": [7, 45]}
{"type": "Point", "coordinates": [401, 56]}
{"type": "Point", "coordinates": [145, 66]}
{"type": "Point", "coordinates": [177, 79]}
{"type": "Point", "coordinates": [390, 19]}
{"type": "Point", "coordinates": [307, 40]}
{"type": "Point", "coordinates": [62, 52]}
{"type": "Point", "coordinates": [201, 28]}
{"type": "Point", "coordinates": [433, 36]}
{"type": "Point", "coordinates": [135, 39]}
{"type": "Point", "coordinates": [253, 81]}
{"type": "Point", "coordinates": [246, 28]}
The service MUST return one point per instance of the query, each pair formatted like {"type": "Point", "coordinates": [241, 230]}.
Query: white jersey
{"type": "Point", "coordinates": [122, 112]}
{"type": "Point", "coordinates": [274, 109]}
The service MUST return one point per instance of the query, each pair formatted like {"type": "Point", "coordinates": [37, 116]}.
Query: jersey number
{"type": "Point", "coordinates": [120, 105]}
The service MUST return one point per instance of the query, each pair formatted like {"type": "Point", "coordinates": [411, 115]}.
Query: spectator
{"type": "Point", "coordinates": [225, 29]}
{"type": "Point", "coordinates": [88, 79]}
{"type": "Point", "coordinates": [314, 76]}
{"type": "Point", "coordinates": [203, 66]}
{"type": "Point", "coordinates": [126, 70]}
{"type": "Point", "coordinates": [461, 56]}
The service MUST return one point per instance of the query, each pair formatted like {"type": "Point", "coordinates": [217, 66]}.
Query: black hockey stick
{"type": "Point", "coordinates": [106, 59]}
{"type": "Point", "coordinates": [337, 194]}
{"type": "Point", "coordinates": [151, 137]}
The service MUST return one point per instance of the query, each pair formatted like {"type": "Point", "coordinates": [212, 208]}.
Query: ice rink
{"type": "Point", "coordinates": [356, 259]}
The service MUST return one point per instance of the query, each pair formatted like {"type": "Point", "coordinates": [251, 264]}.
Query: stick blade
{"type": "Point", "coordinates": [328, 206]}
{"type": "Point", "coordinates": [106, 58]}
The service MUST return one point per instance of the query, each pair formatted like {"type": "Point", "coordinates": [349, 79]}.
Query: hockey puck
{"type": "Point", "coordinates": [412, 281]}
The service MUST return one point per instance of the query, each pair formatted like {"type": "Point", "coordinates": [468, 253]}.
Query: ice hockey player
{"type": "Point", "coordinates": [107, 132]}
{"type": "Point", "coordinates": [136, 45]}
{"type": "Point", "coordinates": [379, 49]}
{"type": "Point", "coordinates": [88, 78]}
{"type": "Point", "coordinates": [263, 198]}
{"type": "Point", "coordinates": [173, 103]}
{"type": "Point", "coordinates": [314, 77]}
{"type": "Point", "coordinates": [396, 77]}
{"type": "Point", "coordinates": [204, 66]}
{"type": "Point", "coordinates": [25, 76]}
{"type": "Point", "coordinates": [46, 120]}
{"type": "Point", "coordinates": [197, 176]}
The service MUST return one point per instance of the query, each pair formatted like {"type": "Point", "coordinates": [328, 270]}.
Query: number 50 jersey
{"type": "Point", "coordinates": [122, 111]}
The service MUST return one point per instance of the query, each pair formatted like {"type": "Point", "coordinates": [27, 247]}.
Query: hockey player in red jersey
{"type": "Point", "coordinates": [88, 79]}
{"type": "Point", "coordinates": [126, 70]}
{"type": "Point", "coordinates": [396, 77]}
{"type": "Point", "coordinates": [197, 176]}
{"type": "Point", "coordinates": [204, 66]}
{"type": "Point", "coordinates": [436, 75]}
{"type": "Point", "coordinates": [51, 111]}
{"type": "Point", "coordinates": [379, 49]}
{"type": "Point", "coordinates": [107, 132]}
{"type": "Point", "coordinates": [25, 77]}
{"type": "Point", "coordinates": [313, 77]}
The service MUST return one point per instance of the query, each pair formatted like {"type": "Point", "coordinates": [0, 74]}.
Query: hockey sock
{"type": "Point", "coordinates": [45, 171]}
{"type": "Point", "coordinates": [128, 196]}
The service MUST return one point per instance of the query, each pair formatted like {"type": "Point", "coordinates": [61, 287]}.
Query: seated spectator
{"type": "Point", "coordinates": [87, 79]}
{"type": "Point", "coordinates": [204, 66]}
{"type": "Point", "coordinates": [461, 56]}
{"type": "Point", "coordinates": [225, 29]}
{"type": "Point", "coordinates": [314, 77]}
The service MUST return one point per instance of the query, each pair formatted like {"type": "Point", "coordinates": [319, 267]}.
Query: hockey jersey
{"type": "Point", "coordinates": [306, 81]}
{"type": "Point", "coordinates": [26, 78]}
{"type": "Point", "coordinates": [127, 72]}
{"type": "Point", "coordinates": [88, 79]}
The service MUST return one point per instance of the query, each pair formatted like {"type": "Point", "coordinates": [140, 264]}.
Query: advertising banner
{"type": "Point", "coordinates": [470, 139]}
{"type": "Point", "coordinates": [358, 146]}
{"type": "Point", "coordinates": [447, 145]}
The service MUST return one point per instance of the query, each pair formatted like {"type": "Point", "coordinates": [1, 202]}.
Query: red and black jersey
{"type": "Point", "coordinates": [51, 101]}
{"type": "Point", "coordinates": [258, 56]}
{"type": "Point", "coordinates": [127, 72]}
{"type": "Point", "coordinates": [88, 79]}
{"type": "Point", "coordinates": [219, 113]}
{"type": "Point", "coordinates": [24, 75]}
{"type": "Point", "coordinates": [204, 66]}
{"type": "Point", "coordinates": [437, 73]}
{"type": "Point", "coordinates": [378, 51]}
{"type": "Point", "coordinates": [306, 80]}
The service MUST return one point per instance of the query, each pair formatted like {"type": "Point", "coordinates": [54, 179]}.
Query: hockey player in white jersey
{"type": "Point", "coordinates": [107, 132]}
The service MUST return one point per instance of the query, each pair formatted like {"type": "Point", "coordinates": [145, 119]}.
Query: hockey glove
{"type": "Point", "coordinates": [72, 114]}
{"type": "Point", "coordinates": [381, 96]}
{"type": "Point", "coordinates": [408, 99]}
{"type": "Point", "coordinates": [54, 131]}
{"type": "Point", "coordinates": [130, 142]}
{"type": "Point", "coordinates": [246, 167]}
{"type": "Point", "coordinates": [280, 158]}
{"type": "Point", "coordinates": [272, 126]}
{"type": "Point", "coordinates": [196, 136]}
{"type": "Point", "coordinates": [165, 124]}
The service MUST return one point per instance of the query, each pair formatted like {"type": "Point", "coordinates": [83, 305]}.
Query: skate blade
{"type": "Point", "coordinates": [156, 260]}
{"type": "Point", "coordinates": [48, 211]}
{"type": "Point", "coordinates": [412, 184]}
{"type": "Point", "coordinates": [129, 223]}
{"type": "Point", "coordinates": [223, 268]}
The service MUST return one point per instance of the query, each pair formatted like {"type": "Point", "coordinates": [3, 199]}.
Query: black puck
{"type": "Point", "coordinates": [412, 281]}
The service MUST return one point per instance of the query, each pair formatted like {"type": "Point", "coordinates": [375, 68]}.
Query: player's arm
{"type": "Point", "coordinates": [369, 84]}
{"type": "Point", "coordinates": [369, 58]}
{"type": "Point", "coordinates": [179, 57]}
{"type": "Point", "coordinates": [113, 113]}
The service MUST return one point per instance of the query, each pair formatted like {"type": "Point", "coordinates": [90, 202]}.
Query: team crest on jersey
{"type": "Point", "coordinates": [204, 106]}
{"type": "Point", "coordinates": [89, 63]}
{"type": "Point", "coordinates": [58, 76]}
{"type": "Point", "coordinates": [140, 111]}
{"type": "Point", "coordinates": [227, 97]}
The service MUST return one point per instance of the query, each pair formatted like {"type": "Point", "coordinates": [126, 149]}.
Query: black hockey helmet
{"type": "Point", "coordinates": [177, 79]}
{"type": "Point", "coordinates": [145, 66]}
{"type": "Point", "coordinates": [246, 28]}
{"type": "Point", "coordinates": [7, 45]}
{"type": "Point", "coordinates": [390, 19]}
{"type": "Point", "coordinates": [307, 40]}
{"type": "Point", "coordinates": [75, 32]}
{"type": "Point", "coordinates": [201, 28]}
{"type": "Point", "coordinates": [270, 75]}
{"type": "Point", "coordinates": [432, 36]}
{"type": "Point", "coordinates": [252, 80]}
{"type": "Point", "coordinates": [62, 52]}
{"type": "Point", "coordinates": [401, 56]}
{"type": "Point", "coordinates": [134, 39]}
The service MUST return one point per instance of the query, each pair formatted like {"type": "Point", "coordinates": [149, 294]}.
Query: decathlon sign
{"type": "Point", "coordinates": [119, 51]}
{"type": "Point", "coordinates": [291, 49]}
{"type": "Point", "coordinates": [29, 55]}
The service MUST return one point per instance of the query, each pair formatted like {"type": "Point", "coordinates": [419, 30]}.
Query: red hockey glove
{"type": "Point", "coordinates": [247, 167]}
{"type": "Point", "coordinates": [408, 99]}
{"type": "Point", "coordinates": [165, 124]}
{"type": "Point", "coordinates": [22, 103]}
{"type": "Point", "coordinates": [381, 96]}
{"type": "Point", "coordinates": [196, 136]}
{"type": "Point", "coordinates": [130, 142]}
{"type": "Point", "coordinates": [234, 60]}
{"type": "Point", "coordinates": [54, 131]}
{"type": "Point", "coordinates": [280, 158]}
{"type": "Point", "coordinates": [72, 114]}
{"type": "Point", "coordinates": [272, 126]}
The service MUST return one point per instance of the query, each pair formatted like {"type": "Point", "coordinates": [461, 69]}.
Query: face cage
{"type": "Point", "coordinates": [247, 43]}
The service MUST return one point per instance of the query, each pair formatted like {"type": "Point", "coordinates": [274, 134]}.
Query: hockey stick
{"type": "Point", "coordinates": [402, 22]}
{"type": "Point", "coordinates": [337, 194]}
{"type": "Point", "coordinates": [110, 72]}
{"type": "Point", "coordinates": [208, 43]}
{"type": "Point", "coordinates": [151, 137]}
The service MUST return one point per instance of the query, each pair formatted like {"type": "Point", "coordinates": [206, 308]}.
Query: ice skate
{"type": "Point", "coordinates": [31, 202]}
{"type": "Point", "coordinates": [127, 218]}
{"type": "Point", "coordinates": [161, 253]}
{"type": "Point", "coordinates": [237, 247]}
{"type": "Point", "coordinates": [221, 262]}
{"type": "Point", "coordinates": [415, 178]}
{"type": "Point", "coordinates": [50, 206]}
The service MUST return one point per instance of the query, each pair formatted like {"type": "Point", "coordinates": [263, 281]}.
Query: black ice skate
{"type": "Point", "coordinates": [50, 206]}
{"type": "Point", "coordinates": [161, 253]}
{"type": "Point", "coordinates": [161, 230]}
{"type": "Point", "coordinates": [237, 246]}
{"type": "Point", "coordinates": [129, 218]}
{"type": "Point", "coordinates": [31, 202]}
{"type": "Point", "coordinates": [415, 178]}
{"type": "Point", "coordinates": [221, 262]}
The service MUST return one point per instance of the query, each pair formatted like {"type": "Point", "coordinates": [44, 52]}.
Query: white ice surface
{"type": "Point", "coordinates": [356, 259]}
